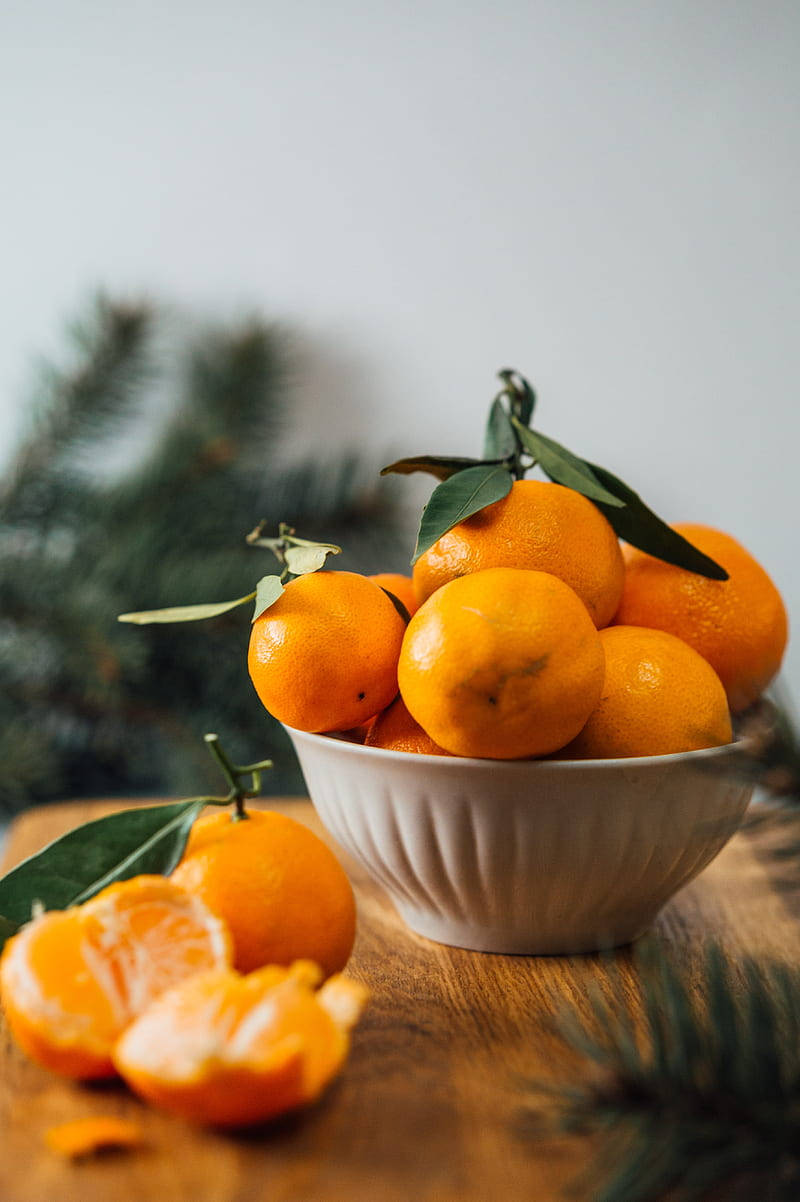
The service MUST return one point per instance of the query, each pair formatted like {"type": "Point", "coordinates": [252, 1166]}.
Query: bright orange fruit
{"type": "Point", "coordinates": [401, 586]}
{"type": "Point", "coordinates": [503, 663]}
{"type": "Point", "coordinates": [324, 656]}
{"type": "Point", "coordinates": [72, 980]}
{"type": "Point", "coordinates": [539, 526]}
{"type": "Point", "coordinates": [280, 890]}
{"type": "Point", "coordinates": [739, 625]}
{"type": "Point", "coordinates": [659, 696]}
{"type": "Point", "coordinates": [396, 730]}
{"type": "Point", "coordinates": [230, 1051]}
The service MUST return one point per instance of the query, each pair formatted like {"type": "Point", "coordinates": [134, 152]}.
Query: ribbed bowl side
{"type": "Point", "coordinates": [536, 857]}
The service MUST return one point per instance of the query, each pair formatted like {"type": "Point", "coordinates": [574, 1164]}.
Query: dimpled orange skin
{"type": "Point", "coordinates": [659, 696]}
{"type": "Point", "coordinates": [280, 890]}
{"type": "Point", "coordinates": [396, 730]}
{"type": "Point", "coordinates": [501, 664]}
{"type": "Point", "coordinates": [401, 586]}
{"type": "Point", "coordinates": [540, 526]}
{"type": "Point", "coordinates": [324, 656]}
{"type": "Point", "coordinates": [739, 625]}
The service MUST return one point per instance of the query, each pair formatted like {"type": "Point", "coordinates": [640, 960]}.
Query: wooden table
{"type": "Point", "coordinates": [427, 1107]}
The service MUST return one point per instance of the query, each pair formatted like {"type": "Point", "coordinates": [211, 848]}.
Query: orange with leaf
{"type": "Point", "coordinates": [281, 891]}
{"type": "Point", "coordinates": [739, 625]}
{"type": "Point", "coordinates": [537, 525]}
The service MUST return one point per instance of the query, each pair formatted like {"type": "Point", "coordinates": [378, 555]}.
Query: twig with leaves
{"type": "Point", "coordinates": [511, 449]}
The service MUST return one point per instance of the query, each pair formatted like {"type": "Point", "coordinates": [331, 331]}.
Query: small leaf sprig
{"type": "Point", "coordinates": [511, 448]}
{"type": "Point", "coordinates": [149, 839]}
{"type": "Point", "coordinates": [297, 556]}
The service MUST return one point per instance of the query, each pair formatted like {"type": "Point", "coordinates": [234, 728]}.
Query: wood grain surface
{"type": "Point", "coordinates": [427, 1108]}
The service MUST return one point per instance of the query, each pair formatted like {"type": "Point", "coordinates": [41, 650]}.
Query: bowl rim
{"type": "Point", "coordinates": [445, 762]}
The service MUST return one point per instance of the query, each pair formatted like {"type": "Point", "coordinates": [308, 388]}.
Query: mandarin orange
{"type": "Point", "coordinates": [739, 625]}
{"type": "Point", "coordinates": [503, 663]}
{"type": "Point", "coordinates": [396, 730]}
{"type": "Point", "coordinates": [324, 655]}
{"type": "Point", "coordinates": [401, 586]}
{"type": "Point", "coordinates": [539, 526]}
{"type": "Point", "coordinates": [659, 696]}
{"type": "Point", "coordinates": [280, 890]}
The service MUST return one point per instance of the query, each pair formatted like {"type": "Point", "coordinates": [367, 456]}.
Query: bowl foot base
{"type": "Point", "coordinates": [477, 938]}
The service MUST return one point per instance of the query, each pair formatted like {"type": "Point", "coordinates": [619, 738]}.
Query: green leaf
{"type": "Point", "coordinates": [520, 394]}
{"type": "Point", "coordinates": [302, 560]}
{"type": "Point", "coordinates": [440, 466]}
{"type": "Point", "coordinates": [458, 498]}
{"type": "Point", "coordinates": [638, 525]}
{"type": "Point", "coordinates": [500, 440]}
{"type": "Point", "coordinates": [184, 613]}
{"type": "Point", "coordinates": [268, 589]}
{"type": "Point", "coordinates": [563, 467]}
{"type": "Point", "coordinates": [82, 862]}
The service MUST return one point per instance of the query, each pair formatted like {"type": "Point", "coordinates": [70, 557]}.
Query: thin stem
{"type": "Point", "coordinates": [233, 775]}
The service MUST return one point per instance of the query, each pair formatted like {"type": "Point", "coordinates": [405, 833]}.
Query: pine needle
{"type": "Point", "coordinates": [709, 1096]}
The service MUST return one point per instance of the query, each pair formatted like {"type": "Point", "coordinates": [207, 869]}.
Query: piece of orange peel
{"type": "Point", "coordinates": [95, 1133]}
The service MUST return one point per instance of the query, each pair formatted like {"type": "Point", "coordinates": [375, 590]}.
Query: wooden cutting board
{"type": "Point", "coordinates": [427, 1108]}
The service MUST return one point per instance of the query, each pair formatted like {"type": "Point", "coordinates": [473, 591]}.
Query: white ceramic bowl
{"type": "Point", "coordinates": [541, 856]}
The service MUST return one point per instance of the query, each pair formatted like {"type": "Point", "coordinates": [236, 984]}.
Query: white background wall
{"type": "Point", "coordinates": [603, 194]}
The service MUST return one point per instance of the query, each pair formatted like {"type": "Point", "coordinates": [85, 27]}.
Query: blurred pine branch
{"type": "Point", "coordinates": [699, 1098]}
{"type": "Point", "coordinates": [88, 706]}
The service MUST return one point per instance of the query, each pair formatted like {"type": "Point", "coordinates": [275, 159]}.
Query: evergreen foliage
{"type": "Point", "coordinates": [88, 706]}
{"type": "Point", "coordinates": [703, 1101]}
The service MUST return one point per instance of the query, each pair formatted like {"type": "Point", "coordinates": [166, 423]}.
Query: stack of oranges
{"type": "Point", "coordinates": [532, 634]}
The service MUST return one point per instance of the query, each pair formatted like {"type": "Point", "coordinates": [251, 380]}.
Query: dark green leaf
{"type": "Point", "coordinates": [440, 466]}
{"type": "Point", "coordinates": [268, 589]}
{"type": "Point", "coordinates": [642, 528]}
{"type": "Point", "coordinates": [82, 862]}
{"type": "Point", "coordinates": [520, 393]}
{"type": "Point", "coordinates": [563, 467]}
{"type": "Point", "coordinates": [500, 440]}
{"type": "Point", "coordinates": [458, 498]}
{"type": "Point", "coordinates": [184, 613]}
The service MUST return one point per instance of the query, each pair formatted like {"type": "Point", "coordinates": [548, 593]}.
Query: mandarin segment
{"type": "Point", "coordinates": [70, 981]}
{"type": "Point", "coordinates": [659, 697]}
{"type": "Point", "coordinates": [502, 664]}
{"type": "Point", "coordinates": [739, 625]}
{"type": "Point", "coordinates": [280, 890]}
{"type": "Point", "coordinates": [230, 1050]}
{"type": "Point", "coordinates": [539, 526]}
{"type": "Point", "coordinates": [324, 655]}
